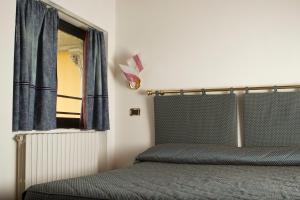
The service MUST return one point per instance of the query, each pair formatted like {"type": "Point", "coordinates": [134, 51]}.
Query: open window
{"type": "Point", "coordinates": [69, 75]}
{"type": "Point", "coordinates": [54, 87]}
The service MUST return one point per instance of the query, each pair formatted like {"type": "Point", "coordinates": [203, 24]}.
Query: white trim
{"type": "Point", "coordinates": [71, 17]}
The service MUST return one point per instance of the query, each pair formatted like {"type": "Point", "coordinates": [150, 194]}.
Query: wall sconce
{"type": "Point", "coordinates": [132, 70]}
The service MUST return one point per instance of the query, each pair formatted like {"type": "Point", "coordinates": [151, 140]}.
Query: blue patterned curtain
{"type": "Point", "coordinates": [34, 104]}
{"type": "Point", "coordinates": [95, 98]}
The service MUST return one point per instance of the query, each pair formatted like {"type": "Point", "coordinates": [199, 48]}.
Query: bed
{"type": "Point", "coordinates": [196, 154]}
{"type": "Point", "coordinates": [184, 171]}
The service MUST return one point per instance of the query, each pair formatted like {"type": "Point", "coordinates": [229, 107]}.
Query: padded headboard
{"type": "Point", "coordinates": [272, 119]}
{"type": "Point", "coordinates": [202, 119]}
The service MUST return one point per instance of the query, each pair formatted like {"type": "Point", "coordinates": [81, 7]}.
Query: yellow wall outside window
{"type": "Point", "coordinates": [69, 83]}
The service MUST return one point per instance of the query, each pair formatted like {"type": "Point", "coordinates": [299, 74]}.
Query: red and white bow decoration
{"type": "Point", "coordinates": [132, 69]}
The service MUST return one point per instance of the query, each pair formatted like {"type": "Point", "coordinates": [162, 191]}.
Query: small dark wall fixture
{"type": "Point", "coordinates": [135, 112]}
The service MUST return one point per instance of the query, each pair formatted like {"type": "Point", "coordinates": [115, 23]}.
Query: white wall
{"type": "Point", "coordinates": [100, 13]}
{"type": "Point", "coordinates": [200, 43]}
{"type": "Point", "coordinates": [7, 144]}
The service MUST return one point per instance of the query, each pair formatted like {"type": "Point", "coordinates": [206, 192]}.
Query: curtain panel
{"type": "Point", "coordinates": [34, 103]}
{"type": "Point", "coordinates": [94, 113]}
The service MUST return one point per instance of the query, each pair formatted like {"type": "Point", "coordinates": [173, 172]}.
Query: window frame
{"type": "Point", "coordinates": [63, 122]}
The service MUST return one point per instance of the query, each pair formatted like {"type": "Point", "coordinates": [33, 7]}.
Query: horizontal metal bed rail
{"type": "Point", "coordinates": [225, 89]}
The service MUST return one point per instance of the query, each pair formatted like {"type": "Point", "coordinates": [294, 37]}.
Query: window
{"type": "Point", "coordinates": [69, 75]}
{"type": "Point", "coordinates": [47, 91]}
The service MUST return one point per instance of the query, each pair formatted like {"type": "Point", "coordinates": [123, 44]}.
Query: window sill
{"type": "Point", "coordinates": [56, 131]}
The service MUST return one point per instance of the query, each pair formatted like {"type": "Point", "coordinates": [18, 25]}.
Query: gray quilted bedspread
{"type": "Point", "coordinates": [169, 180]}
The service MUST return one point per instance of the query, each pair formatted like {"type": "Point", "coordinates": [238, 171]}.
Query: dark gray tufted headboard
{"type": "Point", "coordinates": [203, 119]}
{"type": "Point", "coordinates": [272, 119]}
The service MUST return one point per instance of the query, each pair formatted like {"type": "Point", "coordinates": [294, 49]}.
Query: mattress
{"type": "Point", "coordinates": [154, 177]}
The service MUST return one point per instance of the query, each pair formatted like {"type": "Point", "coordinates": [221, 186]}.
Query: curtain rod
{"type": "Point", "coordinates": [228, 89]}
{"type": "Point", "coordinates": [71, 15]}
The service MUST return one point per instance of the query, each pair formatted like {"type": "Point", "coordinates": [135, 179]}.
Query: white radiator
{"type": "Point", "coordinates": [48, 157]}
